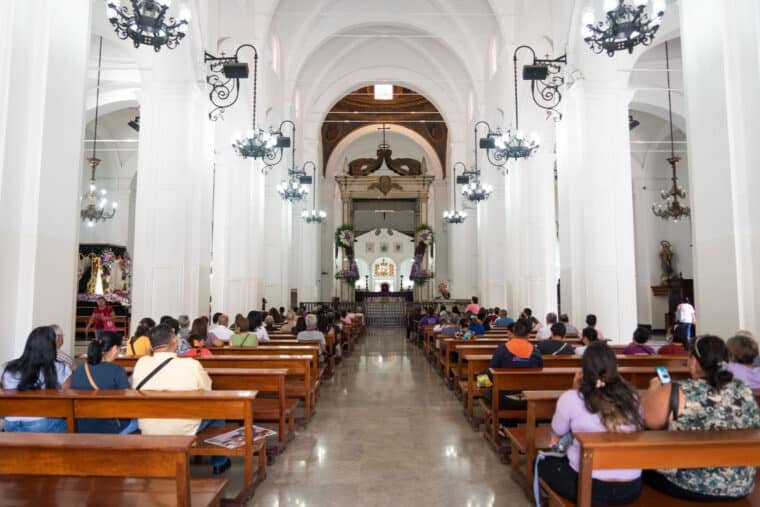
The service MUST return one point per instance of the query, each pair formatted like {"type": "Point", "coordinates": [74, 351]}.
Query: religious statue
{"type": "Point", "coordinates": [666, 263]}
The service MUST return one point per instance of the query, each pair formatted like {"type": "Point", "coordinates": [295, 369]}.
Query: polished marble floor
{"type": "Point", "coordinates": [388, 433]}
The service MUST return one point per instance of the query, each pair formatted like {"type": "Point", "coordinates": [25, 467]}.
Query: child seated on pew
{"type": "Point", "coordinates": [711, 400]}
{"type": "Point", "coordinates": [37, 368]}
{"type": "Point", "coordinates": [600, 401]}
{"type": "Point", "coordinates": [638, 346]}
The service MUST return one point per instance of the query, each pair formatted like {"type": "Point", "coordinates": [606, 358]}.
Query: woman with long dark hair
{"type": "Point", "coordinates": [256, 326]}
{"type": "Point", "coordinates": [600, 402]}
{"type": "Point", "coordinates": [712, 400]}
{"type": "Point", "coordinates": [100, 372]}
{"type": "Point", "coordinates": [139, 344]}
{"type": "Point", "coordinates": [37, 368]}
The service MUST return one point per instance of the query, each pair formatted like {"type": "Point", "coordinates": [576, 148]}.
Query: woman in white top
{"type": "Point", "coordinates": [256, 326]}
{"type": "Point", "coordinates": [37, 368]}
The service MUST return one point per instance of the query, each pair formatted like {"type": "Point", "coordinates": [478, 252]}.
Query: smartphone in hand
{"type": "Point", "coordinates": [662, 372]}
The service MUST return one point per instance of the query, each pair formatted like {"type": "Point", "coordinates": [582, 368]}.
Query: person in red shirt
{"type": "Point", "coordinates": [101, 319]}
{"type": "Point", "coordinates": [679, 345]}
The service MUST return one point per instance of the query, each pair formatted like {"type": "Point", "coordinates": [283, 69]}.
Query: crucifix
{"type": "Point", "coordinates": [384, 145]}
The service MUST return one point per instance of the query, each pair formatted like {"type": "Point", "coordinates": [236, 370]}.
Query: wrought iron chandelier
{"type": "Point", "coordinates": [314, 215]}
{"type": "Point", "coordinates": [455, 216]}
{"type": "Point", "coordinates": [476, 191]}
{"type": "Point", "coordinates": [292, 189]}
{"type": "Point", "coordinates": [148, 23]}
{"type": "Point", "coordinates": [672, 209]}
{"type": "Point", "coordinates": [626, 25]}
{"type": "Point", "coordinates": [96, 201]}
{"type": "Point", "coordinates": [512, 143]}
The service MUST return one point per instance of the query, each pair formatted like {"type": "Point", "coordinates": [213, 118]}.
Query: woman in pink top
{"type": "Point", "coordinates": [473, 308]}
{"type": "Point", "coordinates": [601, 402]}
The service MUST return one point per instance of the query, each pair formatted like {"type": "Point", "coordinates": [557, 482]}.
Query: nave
{"type": "Point", "coordinates": [387, 432]}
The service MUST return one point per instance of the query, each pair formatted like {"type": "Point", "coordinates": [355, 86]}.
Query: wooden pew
{"type": "Point", "coordinates": [299, 383]}
{"type": "Point", "coordinates": [523, 379]}
{"type": "Point", "coordinates": [114, 470]}
{"type": "Point", "coordinates": [663, 449]}
{"type": "Point", "coordinates": [130, 404]}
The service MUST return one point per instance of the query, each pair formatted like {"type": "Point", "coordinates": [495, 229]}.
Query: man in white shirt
{"type": "Point", "coordinates": [686, 315]}
{"type": "Point", "coordinates": [220, 327]}
{"type": "Point", "coordinates": [546, 332]}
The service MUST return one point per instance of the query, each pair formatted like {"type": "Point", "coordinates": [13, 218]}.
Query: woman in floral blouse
{"type": "Point", "coordinates": [711, 400]}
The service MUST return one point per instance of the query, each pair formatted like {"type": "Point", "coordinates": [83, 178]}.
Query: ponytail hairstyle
{"type": "Point", "coordinates": [143, 329]}
{"type": "Point", "coordinates": [604, 391]}
{"type": "Point", "coordinates": [99, 346]}
{"type": "Point", "coordinates": [711, 354]}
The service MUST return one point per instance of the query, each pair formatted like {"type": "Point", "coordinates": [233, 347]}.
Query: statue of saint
{"type": "Point", "coordinates": [666, 262]}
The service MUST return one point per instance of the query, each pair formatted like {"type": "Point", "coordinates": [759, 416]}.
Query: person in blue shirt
{"type": "Point", "coordinates": [503, 320]}
{"type": "Point", "coordinates": [37, 368]}
{"type": "Point", "coordinates": [100, 372]}
{"type": "Point", "coordinates": [476, 326]}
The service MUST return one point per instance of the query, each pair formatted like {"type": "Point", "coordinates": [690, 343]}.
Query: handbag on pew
{"type": "Point", "coordinates": [558, 450]}
{"type": "Point", "coordinates": [483, 381]}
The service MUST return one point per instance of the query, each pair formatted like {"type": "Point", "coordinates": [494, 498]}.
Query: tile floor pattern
{"type": "Point", "coordinates": [387, 433]}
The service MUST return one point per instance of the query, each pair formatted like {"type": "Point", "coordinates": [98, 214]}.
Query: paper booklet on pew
{"type": "Point", "coordinates": [236, 438]}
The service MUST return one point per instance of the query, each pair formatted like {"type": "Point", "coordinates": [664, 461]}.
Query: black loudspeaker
{"type": "Point", "coordinates": [487, 143]}
{"type": "Point", "coordinates": [535, 72]}
{"type": "Point", "coordinates": [305, 180]}
{"type": "Point", "coordinates": [235, 70]}
{"type": "Point", "coordinates": [463, 180]}
{"type": "Point", "coordinates": [283, 142]}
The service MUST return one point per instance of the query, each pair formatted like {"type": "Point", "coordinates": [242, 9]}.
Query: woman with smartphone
{"type": "Point", "coordinates": [710, 400]}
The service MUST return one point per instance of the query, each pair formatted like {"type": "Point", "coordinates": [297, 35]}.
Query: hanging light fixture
{"type": "Point", "coordinates": [96, 200]}
{"type": "Point", "coordinates": [626, 25]}
{"type": "Point", "coordinates": [455, 216]}
{"type": "Point", "coordinates": [147, 23]}
{"type": "Point", "coordinates": [476, 191]}
{"type": "Point", "coordinates": [313, 215]}
{"type": "Point", "coordinates": [672, 209]}
{"type": "Point", "coordinates": [292, 190]}
{"type": "Point", "coordinates": [513, 143]}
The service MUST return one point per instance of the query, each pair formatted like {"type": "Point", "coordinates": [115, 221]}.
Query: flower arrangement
{"type": "Point", "coordinates": [420, 275]}
{"type": "Point", "coordinates": [350, 275]}
{"type": "Point", "coordinates": [345, 237]}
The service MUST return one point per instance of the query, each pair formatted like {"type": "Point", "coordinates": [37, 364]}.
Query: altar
{"type": "Point", "coordinates": [384, 296]}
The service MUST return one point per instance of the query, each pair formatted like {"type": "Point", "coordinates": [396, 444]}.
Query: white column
{"type": "Point", "coordinates": [173, 216]}
{"type": "Point", "coordinates": [598, 272]}
{"type": "Point", "coordinates": [720, 64]}
{"type": "Point", "coordinates": [462, 238]}
{"type": "Point", "coordinates": [43, 71]}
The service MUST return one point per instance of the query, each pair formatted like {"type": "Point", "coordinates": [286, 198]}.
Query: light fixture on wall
{"type": "Point", "coordinates": [314, 215]}
{"type": "Point", "coordinates": [225, 73]}
{"type": "Point", "coordinates": [96, 201]}
{"type": "Point", "coordinates": [455, 216]}
{"type": "Point", "coordinates": [672, 209]}
{"type": "Point", "coordinates": [513, 143]}
{"type": "Point", "coordinates": [626, 25]}
{"type": "Point", "coordinates": [148, 23]}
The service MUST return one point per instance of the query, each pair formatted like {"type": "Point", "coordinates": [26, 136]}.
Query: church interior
{"type": "Point", "coordinates": [350, 252]}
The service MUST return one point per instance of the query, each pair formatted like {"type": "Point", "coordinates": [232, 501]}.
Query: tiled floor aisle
{"type": "Point", "coordinates": [388, 433]}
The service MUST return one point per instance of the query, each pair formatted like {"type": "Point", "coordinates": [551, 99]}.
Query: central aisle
{"type": "Point", "coordinates": [388, 433]}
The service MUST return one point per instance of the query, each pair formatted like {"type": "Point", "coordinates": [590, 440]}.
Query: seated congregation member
{"type": "Point", "coordinates": [591, 322]}
{"type": "Point", "coordinates": [277, 317]}
{"type": "Point", "coordinates": [504, 320]}
{"type": "Point", "coordinates": [242, 337]}
{"type": "Point", "coordinates": [742, 353]}
{"type": "Point", "coordinates": [256, 326]}
{"type": "Point", "coordinates": [446, 327]}
{"type": "Point", "coordinates": [518, 352]}
{"type": "Point", "coordinates": [455, 314]}
{"type": "Point", "coordinates": [300, 325]}
{"type": "Point", "coordinates": [184, 326]}
{"type": "Point", "coordinates": [639, 347]}
{"type": "Point", "coordinates": [679, 344]}
{"type": "Point", "coordinates": [100, 372]}
{"type": "Point", "coordinates": [464, 333]}
{"type": "Point", "coordinates": [60, 354]}
{"type": "Point", "coordinates": [484, 320]}
{"type": "Point", "coordinates": [493, 314]}
{"type": "Point", "coordinates": [600, 402]}
{"type": "Point", "coordinates": [476, 326]}
{"type": "Point", "coordinates": [569, 328]}
{"type": "Point", "coordinates": [290, 322]}
{"type": "Point", "coordinates": [545, 332]}
{"type": "Point", "coordinates": [332, 331]}
{"type": "Point", "coordinates": [556, 344]}
{"type": "Point", "coordinates": [710, 400]}
{"type": "Point", "coordinates": [269, 324]}
{"type": "Point", "coordinates": [473, 308]}
{"type": "Point", "coordinates": [218, 328]}
{"type": "Point", "coordinates": [139, 344]}
{"type": "Point", "coordinates": [312, 334]}
{"type": "Point", "coordinates": [429, 320]}
{"type": "Point", "coordinates": [184, 348]}
{"type": "Point", "coordinates": [37, 368]}
{"type": "Point", "coordinates": [588, 336]}
{"type": "Point", "coordinates": [164, 371]}
{"type": "Point", "coordinates": [200, 337]}
{"type": "Point", "coordinates": [345, 318]}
